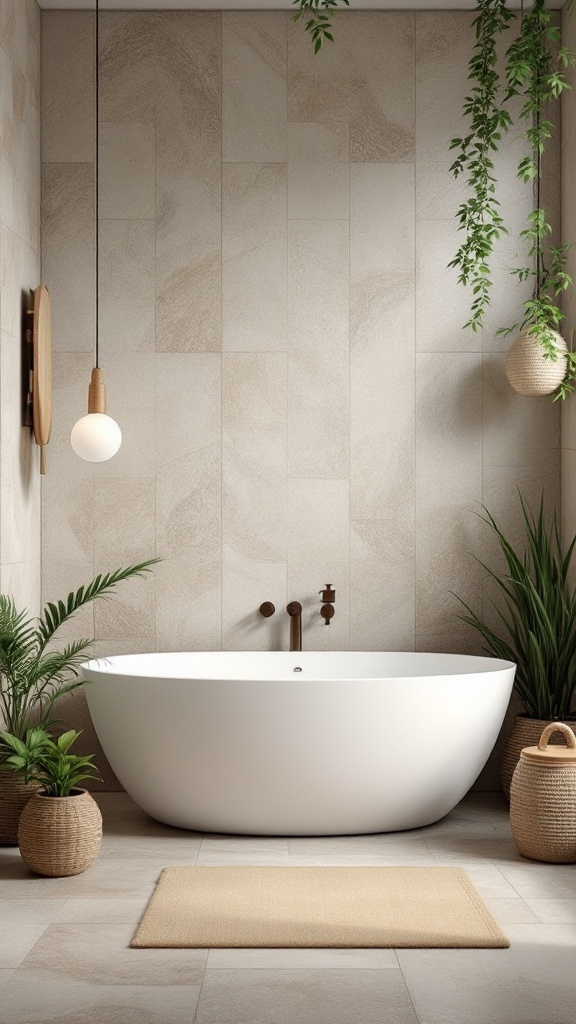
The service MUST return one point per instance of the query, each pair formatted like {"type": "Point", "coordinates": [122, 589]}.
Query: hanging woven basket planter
{"type": "Point", "coordinates": [529, 371]}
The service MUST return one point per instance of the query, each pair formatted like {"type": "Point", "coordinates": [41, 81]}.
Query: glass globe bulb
{"type": "Point", "coordinates": [96, 437]}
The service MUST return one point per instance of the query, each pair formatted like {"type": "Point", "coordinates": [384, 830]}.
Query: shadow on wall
{"type": "Point", "coordinates": [72, 713]}
{"type": "Point", "coordinates": [27, 462]}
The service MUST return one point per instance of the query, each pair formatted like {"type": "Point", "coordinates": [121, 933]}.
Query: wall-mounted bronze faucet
{"type": "Point", "coordinates": [294, 610]}
{"type": "Point", "coordinates": [328, 595]}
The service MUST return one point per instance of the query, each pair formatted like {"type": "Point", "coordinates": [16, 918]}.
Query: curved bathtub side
{"type": "Point", "coordinates": [298, 757]}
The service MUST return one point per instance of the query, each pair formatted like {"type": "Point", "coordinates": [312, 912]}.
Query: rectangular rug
{"type": "Point", "coordinates": [339, 907]}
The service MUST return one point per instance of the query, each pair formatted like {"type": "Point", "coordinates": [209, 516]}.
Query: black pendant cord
{"type": "Point", "coordinates": [97, 176]}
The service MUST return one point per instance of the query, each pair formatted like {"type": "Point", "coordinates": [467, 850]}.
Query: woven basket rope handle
{"type": "Point", "coordinates": [557, 727]}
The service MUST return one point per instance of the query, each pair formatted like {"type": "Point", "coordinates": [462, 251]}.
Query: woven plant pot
{"type": "Point", "coordinates": [543, 799]}
{"type": "Point", "coordinates": [528, 370]}
{"type": "Point", "coordinates": [525, 733]}
{"type": "Point", "coordinates": [14, 795]}
{"type": "Point", "coordinates": [60, 835]}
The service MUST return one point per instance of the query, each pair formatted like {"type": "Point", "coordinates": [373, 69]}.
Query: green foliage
{"type": "Point", "coordinates": [535, 74]}
{"type": "Point", "coordinates": [479, 216]}
{"type": "Point", "coordinates": [40, 759]}
{"type": "Point", "coordinates": [537, 614]}
{"type": "Point", "coordinates": [319, 24]}
{"type": "Point", "coordinates": [32, 674]}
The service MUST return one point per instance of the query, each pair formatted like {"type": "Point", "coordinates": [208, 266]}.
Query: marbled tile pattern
{"type": "Point", "coordinates": [65, 954]}
{"type": "Point", "coordinates": [20, 190]}
{"type": "Point", "coordinates": [280, 332]}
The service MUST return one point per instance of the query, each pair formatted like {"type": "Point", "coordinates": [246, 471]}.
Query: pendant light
{"type": "Point", "coordinates": [96, 437]}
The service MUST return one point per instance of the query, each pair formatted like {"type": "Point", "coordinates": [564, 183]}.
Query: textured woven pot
{"type": "Point", "coordinates": [543, 799]}
{"type": "Point", "coordinates": [525, 733]}
{"type": "Point", "coordinates": [14, 795]}
{"type": "Point", "coordinates": [529, 372]}
{"type": "Point", "coordinates": [60, 835]}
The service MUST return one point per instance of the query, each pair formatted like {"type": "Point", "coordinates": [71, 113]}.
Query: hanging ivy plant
{"type": "Point", "coordinates": [535, 72]}
{"type": "Point", "coordinates": [479, 215]}
{"type": "Point", "coordinates": [535, 69]}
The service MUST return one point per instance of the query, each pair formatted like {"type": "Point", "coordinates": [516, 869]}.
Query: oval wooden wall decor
{"type": "Point", "coordinates": [42, 368]}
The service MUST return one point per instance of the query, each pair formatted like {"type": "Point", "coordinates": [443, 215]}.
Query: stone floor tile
{"type": "Point", "coordinates": [554, 910]}
{"type": "Point", "coordinates": [22, 922]}
{"type": "Point", "coordinates": [101, 955]}
{"type": "Point", "coordinates": [510, 911]}
{"type": "Point", "coordinates": [304, 997]}
{"type": "Point", "coordinates": [303, 959]}
{"type": "Point", "coordinates": [102, 910]}
{"type": "Point", "coordinates": [36, 997]}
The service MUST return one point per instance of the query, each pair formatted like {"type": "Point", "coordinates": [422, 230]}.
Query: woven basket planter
{"type": "Point", "coordinates": [529, 372]}
{"type": "Point", "coordinates": [14, 795]}
{"type": "Point", "coordinates": [543, 799]}
{"type": "Point", "coordinates": [525, 733]}
{"type": "Point", "coordinates": [60, 835]}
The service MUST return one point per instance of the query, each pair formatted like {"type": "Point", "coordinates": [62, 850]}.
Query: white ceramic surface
{"type": "Point", "coordinates": [243, 742]}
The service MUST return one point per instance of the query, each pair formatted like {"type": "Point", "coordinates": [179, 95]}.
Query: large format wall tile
{"type": "Point", "coordinates": [444, 42]}
{"type": "Point", "coordinates": [246, 583]}
{"type": "Point", "coordinates": [254, 114]}
{"type": "Point", "coordinates": [254, 487]}
{"type": "Point", "coordinates": [20, 194]}
{"type": "Point", "coordinates": [381, 219]}
{"type": "Point", "coordinates": [448, 489]}
{"type": "Point", "coordinates": [187, 55]}
{"type": "Point", "coordinates": [254, 257]}
{"type": "Point", "coordinates": [382, 404]}
{"type": "Point", "coordinates": [127, 286]}
{"type": "Point", "coordinates": [68, 99]}
{"type": "Point", "coordinates": [382, 91]}
{"type": "Point", "coordinates": [68, 252]}
{"type": "Point", "coordinates": [318, 333]}
{"type": "Point", "coordinates": [319, 85]}
{"type": "Point", "coordinates": [127, 171]}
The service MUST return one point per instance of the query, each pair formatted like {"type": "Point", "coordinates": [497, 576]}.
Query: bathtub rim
{"type": "Point", "coordinates": [117, 665]}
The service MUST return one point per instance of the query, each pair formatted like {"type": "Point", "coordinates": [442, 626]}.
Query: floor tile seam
{"type": "Point", "coordinates": [310, 970]}
{"type": "Point", "coordinates": [22, 964]}
{"type": "Point", "coordinates": [408, 992]}
{"type": "Point", "coordinates": [200, 988]}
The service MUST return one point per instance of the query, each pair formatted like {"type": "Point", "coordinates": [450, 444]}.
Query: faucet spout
{"type": "Point", "coordinates": [294, 610]}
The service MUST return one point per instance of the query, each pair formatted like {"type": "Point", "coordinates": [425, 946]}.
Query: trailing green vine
{"type": "Point", "coordinates": [535, 67]}
{"type": "Point", "coordinates": [319, 24]}
{"type": "Point", "coordinates": [479, 215]}
{"type": "Point", "coordinates": [535, 72]}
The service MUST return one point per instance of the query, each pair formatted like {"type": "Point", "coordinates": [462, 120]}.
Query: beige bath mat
{"type": "Point", "coordinates": [317, 906]}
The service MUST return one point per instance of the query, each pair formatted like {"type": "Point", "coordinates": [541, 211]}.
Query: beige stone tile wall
{"type": "Point", "coordinates": [281, 336]}
{"type": "Point", "coordinates": [19, 274]}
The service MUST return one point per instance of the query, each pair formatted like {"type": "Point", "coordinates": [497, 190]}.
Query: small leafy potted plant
{"type": "Point", "coordinates": [537, 616]}
{"type": "Point", "coordinates": [34, 674]}
{"type": "Point", "coordinates": [60, 827]}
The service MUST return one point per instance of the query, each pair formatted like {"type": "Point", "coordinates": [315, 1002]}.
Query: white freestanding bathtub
{"type": "Point", "coordinates": [310, 743]}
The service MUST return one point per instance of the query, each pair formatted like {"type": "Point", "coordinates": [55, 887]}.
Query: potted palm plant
{"type": "Point", "coordinates": [60, 827]}
{"type": "Point", "coordinates": [34, 673]}
{"type": "Point", "coordinates": [535, 627]}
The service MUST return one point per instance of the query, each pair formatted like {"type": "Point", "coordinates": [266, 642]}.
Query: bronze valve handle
{"type": "Point", "coordinates": [267, 609]}
{"type": "Point", "coordinates": [328, 594]}
{"type": "Point", "coordinates": [327, 612]}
